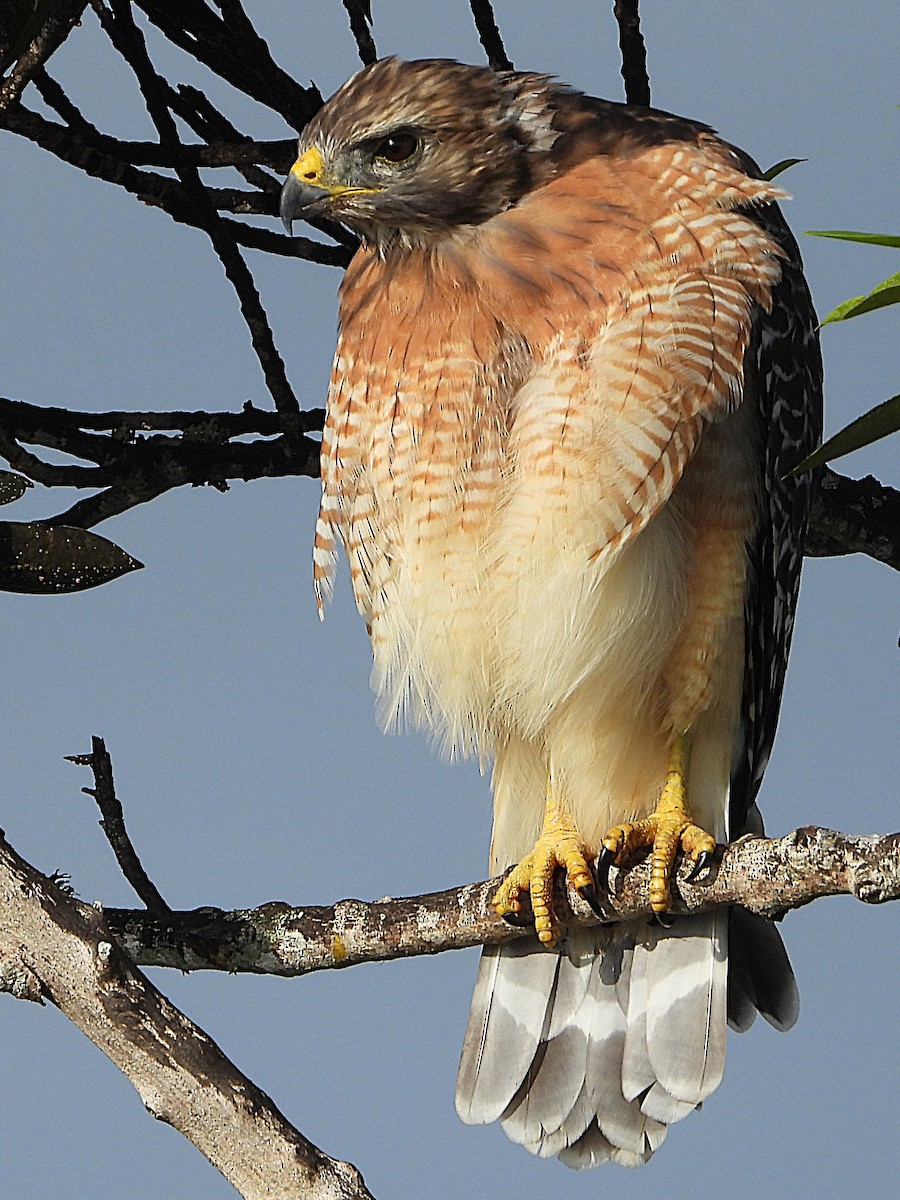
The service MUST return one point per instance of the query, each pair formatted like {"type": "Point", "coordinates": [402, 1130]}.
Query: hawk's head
{"type": "Point", "coordinates": [407, 152]}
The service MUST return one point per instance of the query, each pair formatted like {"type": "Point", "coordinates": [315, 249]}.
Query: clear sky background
{"type": "Point", "coordinates": [242, 732]}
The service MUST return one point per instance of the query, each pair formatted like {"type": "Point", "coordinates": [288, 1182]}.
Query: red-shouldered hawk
{"type": "Point", "coordinates": [577, 362]}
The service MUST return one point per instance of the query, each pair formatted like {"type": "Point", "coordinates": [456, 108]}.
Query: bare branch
{"type": "Point", "coordinates": [633, 51]}
{"type": "Point", "coordinates": [766, 876]}
{"type": "Point", "coordinates": [112, 823]}
{"type": "Point", "coordinates": [360, 14]}
{"type": "Point", "coordinates": [855, 516]}
{"type": "Point", "coordinates": [62, 948]}
{"type": "Point", "coordinates": [233, 50]}
{"type": "Point", "coordinates": [87, 152]}
{"type": "Point", "coordinates": [124, 34]}
{"type": "Point", "coordinates": [135, 469]}
{"type": "Point", "coordinates": [61, 19]}
{"type": "Point", "coordinates": [849, 516]}
{"type": "Point", "coordinates": [489, 34]}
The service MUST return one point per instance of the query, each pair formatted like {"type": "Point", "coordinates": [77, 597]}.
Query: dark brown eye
{"type": "Point", "coordinates": [397, 147]}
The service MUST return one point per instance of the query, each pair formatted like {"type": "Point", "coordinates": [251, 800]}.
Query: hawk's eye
{"type": "Point", "coordinates": [397, 147]}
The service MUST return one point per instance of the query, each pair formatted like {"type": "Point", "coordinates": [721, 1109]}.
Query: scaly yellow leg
{"type": "Point", "coordinates": [671, 826]}
{"type": "Point", "coordinates": [559, 845]}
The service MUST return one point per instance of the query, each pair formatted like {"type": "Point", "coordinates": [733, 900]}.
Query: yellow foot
{"type": "Point", "coordinates": [667, 830]}
{"type": "Point", "coordinates": [559, 845]}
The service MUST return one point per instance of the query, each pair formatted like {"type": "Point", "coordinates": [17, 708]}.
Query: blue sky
{"type": "Point", "coordinates": [242, 732]}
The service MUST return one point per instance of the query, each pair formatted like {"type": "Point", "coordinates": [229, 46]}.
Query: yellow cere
{"type": "Point", "coordinates": [309, 166]}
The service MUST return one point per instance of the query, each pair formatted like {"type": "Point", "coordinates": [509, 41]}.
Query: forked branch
{"type": "Point", "coordinates": [52, 947]}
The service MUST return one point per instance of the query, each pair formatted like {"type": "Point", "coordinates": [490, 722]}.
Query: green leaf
{"type": "Point", "coordinates": [44, 560]}
{"type": "Point", "coordinates": [885, 294]}
{"type": "Point", "coordinates": [12, 486]}
{"type": "Point", "coordinates": [780, 167]}
{"type": "Point", "coordinates": [845, 235]}
{"type": "Point", "coordinates": [879, 422]}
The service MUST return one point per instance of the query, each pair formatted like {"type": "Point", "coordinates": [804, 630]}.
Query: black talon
{"type": "Point", "coordinates": [589, 894]}
{"type": "Point", "coordinates": [520, 920]}
{"type": "Point", "coordinates": [605, 860]}
{"type": "Point", "coordinates": [665, 919]}
{"type": "Point", "coordinates": [701, 863]}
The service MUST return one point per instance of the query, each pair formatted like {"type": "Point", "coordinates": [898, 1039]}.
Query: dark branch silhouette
{"type": "Point", "coordinates": [633, 52]}
{"type": "Point", "coordinates": [112, 822]}
{"type": "Point", "coordinates": [360, 14]}
{"type": "Point", "coordinates": [489, 35]}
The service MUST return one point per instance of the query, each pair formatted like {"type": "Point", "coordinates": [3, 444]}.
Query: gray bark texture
{"type": "Point", "coordinates": [53, 947]}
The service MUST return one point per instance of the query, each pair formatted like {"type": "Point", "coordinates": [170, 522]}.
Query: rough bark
{"type": "Point", "coordinates": [52, 947]}
{"type": "Point", "coordinates": [765, 875]}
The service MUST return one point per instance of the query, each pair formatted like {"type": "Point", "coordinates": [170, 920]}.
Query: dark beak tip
{"type": "Point", "coordinates": [300, 200]}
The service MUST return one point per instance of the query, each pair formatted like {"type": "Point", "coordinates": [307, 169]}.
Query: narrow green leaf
{"type": "Point", "coordinates": [780, 167]}
{"type": "Point", "coordinates": [887, 292]}
{"type": "Point", "coordinates": [879, 422]}
{"type": "Point", "coordinates": [12, 486]}
{"type": "Point", "coordinates": [41, 560]}
{"type": "Point", "coordinates": [845, 235]}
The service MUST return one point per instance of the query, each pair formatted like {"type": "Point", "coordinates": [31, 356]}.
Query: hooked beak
{"type": "Point", "coordinates": [306, 192]}
{"type": "Point", "coordinates": [303, 194]}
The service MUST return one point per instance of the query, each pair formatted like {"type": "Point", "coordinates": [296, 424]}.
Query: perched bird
{"type": "Point", "coordinates": [577, 364]}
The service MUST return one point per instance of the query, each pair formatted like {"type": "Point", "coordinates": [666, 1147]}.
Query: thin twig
{"type": "Point", "coordinates": [233, 50]}
{"type": "Point", "coordinates": [360, 14]}
{"type": "Point", "coordinates": [112, 822]}
{"type": "Point", "coordinates": [633, 51]}
{"type": "Point", "coordinates": [124, 34]}
{"type": "Point", "coordinates": [489, 35]}
{"type": "Point", "coordinates": [167, 194]}
{"type": "Point", "coordinates": [135, 469]}
{"type": "Point", "coordinates": [53, 95]}
{"type": "Point", "coordinates": [765, 876]}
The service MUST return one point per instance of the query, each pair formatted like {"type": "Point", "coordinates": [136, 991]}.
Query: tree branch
{"type": "Point", "coordinates": [633, 51]}
{"type": "Point", "coordinates": [360, 14]}
{"type": "Point", "coordinates": [855, 516]}
{"type": "Point", "coordinates": [849, 516]}
{"type": "Point", "coordinates": [489, 35]}
{"type": "Point", "coordinates": [54, 947]}
{"type": "Point", "coordinates": [95, 158]}
{"type": "Point", "coordinates": [118, 24]}
{"type": "Point", "coordinates": [765, 876]}
{"type": "Point", "coordinates": [61, 19]}
{"type": "Point", "coordinates": [199, 449]}
{"type": "Point", "coordinates": [112, 822]}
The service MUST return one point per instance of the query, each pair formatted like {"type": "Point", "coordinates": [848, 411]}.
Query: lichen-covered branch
{"type": "Point", "coordinates": [765, 875]}
{"type": "Point", "coordinates": [54, 948]}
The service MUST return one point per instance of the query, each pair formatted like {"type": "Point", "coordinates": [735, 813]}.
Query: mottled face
{"type": "Point", "coordinates": [404, 153]}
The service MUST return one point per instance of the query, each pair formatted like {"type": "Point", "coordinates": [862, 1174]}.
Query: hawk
{"type": "Point", "coordinates": [577, 364]}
